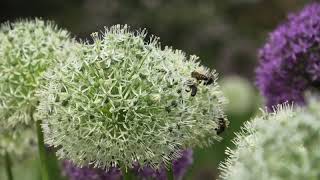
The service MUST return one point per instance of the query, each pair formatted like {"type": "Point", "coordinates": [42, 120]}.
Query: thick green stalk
{"type": "Point", "coordinates": [8, 166]}
{"type": "Point", "coordinates": [128, 175]}
{"type": "Point", "coordinates": [170, 172]}
{"type": "Point", "coordinates": [42, 152]}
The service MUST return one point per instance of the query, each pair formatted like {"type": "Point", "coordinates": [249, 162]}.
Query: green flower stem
{"type": "Point", "coordinates": [8, 166]}
{"type": "Point", "coordinates": [170, 173]}
{"type": "Point", "coordinates": [42, 152]}
{"type": "Point", "coordinates": [128, 175]}
{"type": "Point", "coordinates": [53, 165]}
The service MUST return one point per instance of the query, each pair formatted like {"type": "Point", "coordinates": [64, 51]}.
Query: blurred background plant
{"type": "Point", "coordinates": [26, 169]}
{"type": "Point", "coordinates": [225, 34]}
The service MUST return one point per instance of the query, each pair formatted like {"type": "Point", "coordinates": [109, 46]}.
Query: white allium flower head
{"type": "Point", "coordinates": [121, 100]}
{"type": "Point", "coordinates": [279, 145]}
{"type": "Point", "coordinates": [27, 49]}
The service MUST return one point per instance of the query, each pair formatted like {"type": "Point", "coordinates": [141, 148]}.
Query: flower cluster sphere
{"type": "Point", "coordinates": [279, 145]}
{"type": "Point", "coordinates": [290, 60]}
{"type": "Point", "coordinates": [122, 100]}
{"type": "Point", "coordinates": [27, 49]}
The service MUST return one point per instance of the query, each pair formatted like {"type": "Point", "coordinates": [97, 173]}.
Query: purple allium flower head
{"type": "Point", "coordinates": [88, 173]}
{"type": "Point", "coordinates": [290, 60]}
{"type": "Point", "coordinates": [147, 172]}
{"type": "Point", "coordinates": [180, 167]}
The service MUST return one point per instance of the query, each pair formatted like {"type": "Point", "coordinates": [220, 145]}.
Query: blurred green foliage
{"type": "Point", "coordinates": [26, 169]}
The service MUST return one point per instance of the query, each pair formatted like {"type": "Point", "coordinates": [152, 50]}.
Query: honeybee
{"type": "Point", "coordinates": [222, 124]}
{"type": "Point", "coordinates": [208, 79]}
{"type": "Point", "coordinates": [198, 75]}
{"type": "Point", "coordinates": [192, 87]}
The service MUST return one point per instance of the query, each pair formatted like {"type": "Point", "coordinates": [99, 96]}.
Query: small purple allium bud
{"type": "Point", "coordinates": [290, 60]}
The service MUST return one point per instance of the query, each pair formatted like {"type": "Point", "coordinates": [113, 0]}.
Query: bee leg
{"type": "Point", "coordinates": [208, 82]}
{"type": "Point", "coordinates": [220, 130]}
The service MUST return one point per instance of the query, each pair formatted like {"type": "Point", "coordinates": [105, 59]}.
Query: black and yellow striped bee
{"type": "Point", "coordinates": [208, 79]}
{"type": "Point", "coordinates": [222, 125]}
{"type": "Point", "coordinates": [198, 75]}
